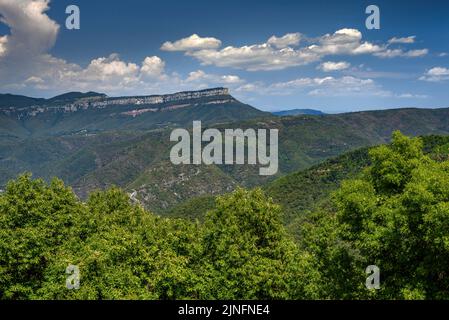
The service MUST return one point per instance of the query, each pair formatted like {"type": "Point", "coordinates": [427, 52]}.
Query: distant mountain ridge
{"type": "Point", "coordinates": [75, 112]}
{"type": "Point", "coordinates": [72, 96]}
{"type": "Point", "coordinates": [73, 101]}
{"type": "Point", "coordinates": [8, 100]}
{"type": "Point", "coordinates": [295, 112]}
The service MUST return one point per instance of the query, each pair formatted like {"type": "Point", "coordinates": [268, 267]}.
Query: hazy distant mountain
{"type": "Point", "coordinates": [73, 96]}
{"type": "Point", "coordinates": [295, 112]}
{"type": "Point", "coordinates": [12, 100]}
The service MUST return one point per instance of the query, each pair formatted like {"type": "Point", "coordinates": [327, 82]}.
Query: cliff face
{"type": "Point", "coordinates": [158, 103]}
{"type": "Point", "coordinates": [159, 99]}
{"type": "Point", "coordinates": [77, 113]}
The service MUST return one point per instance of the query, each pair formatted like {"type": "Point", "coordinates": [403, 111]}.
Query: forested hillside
{"type": "Point", "coordinates": [138, 161]}
{"type": "Point", "coordinates": [305, 191]}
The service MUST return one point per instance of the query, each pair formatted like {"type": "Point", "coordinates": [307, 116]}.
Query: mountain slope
{"type": "Point", "coordinates": [142, 165]}
{"type": "Point", "coordinates": [305, 191]}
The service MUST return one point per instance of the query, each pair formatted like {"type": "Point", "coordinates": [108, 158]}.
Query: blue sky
{"type": "Point", "coordinates": [271, 54]}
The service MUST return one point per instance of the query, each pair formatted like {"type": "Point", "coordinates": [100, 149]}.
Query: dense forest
{"type": "Point", "coordinates": [393, 214]}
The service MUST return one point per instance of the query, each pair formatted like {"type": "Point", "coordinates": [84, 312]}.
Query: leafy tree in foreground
{"type": "Point", "coordinates": [397, 217]}
{"type": "Point", "coordinates": [125, 252]}
{"type": "Point", "coordinates": [35, 219]}
{"type": "Point", "coordinates": [248, 254]}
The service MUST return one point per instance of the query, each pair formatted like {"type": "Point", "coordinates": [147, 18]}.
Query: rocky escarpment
{"type": "Point", "coordinates": [141, 104]}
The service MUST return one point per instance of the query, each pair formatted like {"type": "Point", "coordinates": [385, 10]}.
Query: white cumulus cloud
{"type": "Point", "coordinates": [32, 34]}
{"type": "Point", "coordinates": [403, 40]}
{"type": "Point", "coordinates": [153, 67]}
{"type": "Point", "coordinates": [194, 42]}
{"type": "Point", "coordinates": [334, 66]}
{"type": "Point", "coordinates": [254, 57]}
{"type": "Point", "coordinates": [32, 31]}
{"type": "Point", "coordinates": [201, 76]}
{"type": "Point", "coordinates": [279, 53]}
{"type": "Point", "coordinates": [275, 55]}
{"type": "Point", "coordinates": [343, 41]}
{"type": "Point", "coordinates": [345, 86]}
{"type": "Point", "coordinates": [411, 96]}
{"type": "Point", "coordinates": [393, 53]}
{"type": "Point", "coordinates": [436, 74]}
{"type": "Point", "coordinates": [102, 68]}
{"type": "Point", "coordinates": [290, 39]}
{"type": "Point", "coordinates": [3, 41]}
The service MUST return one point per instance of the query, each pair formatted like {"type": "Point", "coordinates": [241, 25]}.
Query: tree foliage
{"type": "Point", "coordinates": [125, 252]}
{"type": "Point", "coordinates": [394, 215]}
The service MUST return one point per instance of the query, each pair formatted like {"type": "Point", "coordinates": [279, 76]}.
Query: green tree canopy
{"type": "Point", "coordinates": [396, 216]}
{"type": "Point", "coordinates": [248, 253]}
